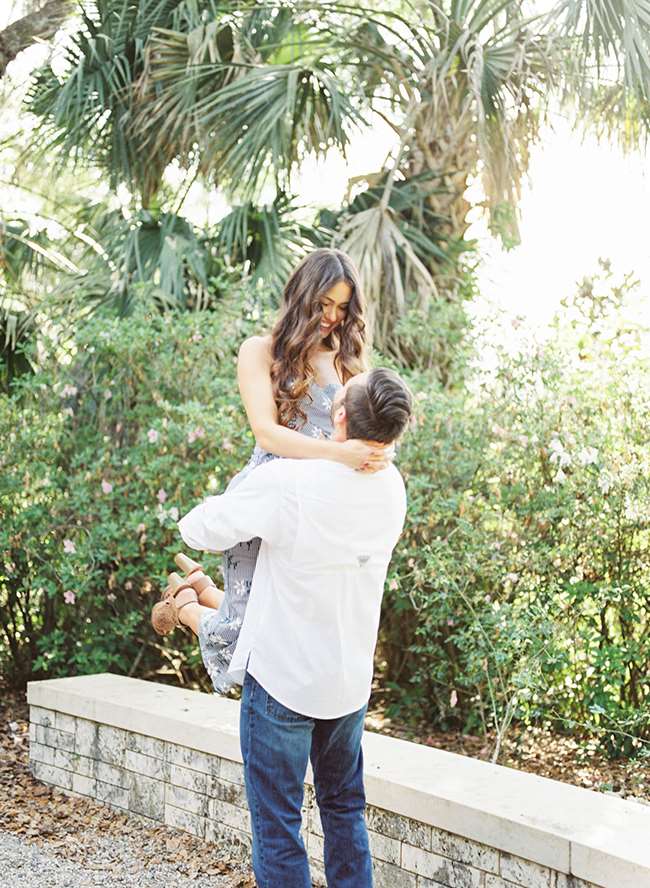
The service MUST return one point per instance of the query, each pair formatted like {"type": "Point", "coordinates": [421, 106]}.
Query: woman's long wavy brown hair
{"type": "Point", "coordinates": [297, 330]}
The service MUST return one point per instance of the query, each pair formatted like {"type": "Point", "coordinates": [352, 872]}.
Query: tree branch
{"type": "Point", "coordinates": [41, 24]}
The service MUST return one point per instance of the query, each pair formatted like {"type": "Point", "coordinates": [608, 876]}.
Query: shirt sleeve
{"type": "Point", "coordinates": [257, 507]}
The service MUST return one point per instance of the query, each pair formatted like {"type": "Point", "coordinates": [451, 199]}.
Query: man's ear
{"type": "Point", "coordinates": [340, 415]}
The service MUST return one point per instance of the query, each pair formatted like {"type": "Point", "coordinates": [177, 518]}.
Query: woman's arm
{"type": "Point", "coordinates": [255, 386]}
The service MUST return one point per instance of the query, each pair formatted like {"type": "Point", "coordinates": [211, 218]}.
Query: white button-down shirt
{"type": "Point", "coordinates": [310, 628]}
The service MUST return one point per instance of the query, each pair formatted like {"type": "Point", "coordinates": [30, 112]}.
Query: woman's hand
{"type": "Point", "coordinates": [365, 457]}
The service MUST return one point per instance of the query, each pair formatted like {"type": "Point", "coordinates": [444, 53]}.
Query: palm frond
{"type": "Point", "coordinates": [266, 241]}
{"type": "Point", "coordinates": [258, 124]}
{"type": "Point", "coordinates": [85, 113]}
{"type": "Point", "coordinates": [611, 33]}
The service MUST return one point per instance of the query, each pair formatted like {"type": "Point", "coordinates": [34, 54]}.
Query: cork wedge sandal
{"type": "Point", "coordinates": [164, 614]}
{"type": "Point", "coordinates": [194, 574]}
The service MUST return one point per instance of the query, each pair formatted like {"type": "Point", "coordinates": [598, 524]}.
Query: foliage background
{"type": "Point", "coordinates": [519, 592]}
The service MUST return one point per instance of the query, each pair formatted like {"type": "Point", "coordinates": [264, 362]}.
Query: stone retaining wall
{"type": "Point", "coordinates": [202, 792]}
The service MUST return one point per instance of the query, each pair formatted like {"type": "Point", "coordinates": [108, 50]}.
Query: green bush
{"type": "Point", "coordinates": [518, 592]}
{"type": "Point", "coordinates": [103, 455]}
{"type": "Point", "coordinates": [521, 586]}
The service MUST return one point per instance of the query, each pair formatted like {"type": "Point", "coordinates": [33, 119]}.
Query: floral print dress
{"type": "Point", "coordinates": [219, 630]}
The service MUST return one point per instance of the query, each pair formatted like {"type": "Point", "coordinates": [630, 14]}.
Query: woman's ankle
{"type": "Point", "coordinates": [211, 597]}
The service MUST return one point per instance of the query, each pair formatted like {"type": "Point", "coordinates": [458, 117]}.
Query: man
{"type": "Point", "coordinates": [305, 652]}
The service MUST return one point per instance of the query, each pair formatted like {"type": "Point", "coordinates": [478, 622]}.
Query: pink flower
{"type": "Point", "coordinates": [107, 486]}
{"type": "Point", "coordinates": [140, 528]}
{"type": "Point", "coordinates": [69, 597]}
{"type": "Point", "coordinates": [226, 445]}
{"type": "Point", "coordinates": [69, 547]}
{"type": "Point", "coordinates": [152, 434]}
{"type": "Point", "coordinates": [162, 495]}
{"type": "Point", "coordinates": [392, 585]}
{"type": "Point", "coordinates": [196, 337]}
{"type": "Point", "coordinates": [450, 621]}
{"type": "Point", "coordinates": [453, 699]}
{"type": "Point", "coordinates": [195, 434]}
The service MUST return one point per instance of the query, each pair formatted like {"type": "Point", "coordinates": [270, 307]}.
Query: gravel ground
{"type": "Point", "coordinates": [108, 862]}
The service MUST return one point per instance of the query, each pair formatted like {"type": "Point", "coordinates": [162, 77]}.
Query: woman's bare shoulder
{"type": "Point", "coordinates": [256, 350]}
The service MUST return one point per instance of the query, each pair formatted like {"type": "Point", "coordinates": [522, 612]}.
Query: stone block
{"type": "Point", "coordinates": [146, 765]}
{"type": "Point", "coordinates": [55, 737]}
{"type": "Point", "coordinates": [565, 881]}
{"type": "Point", "coordinates": [85, 741]}
{"type": "Point", "coordinates": [233, 793]}
{"type": "Point", "coordinates": [113, 775]}
{"type": "Point", "coordinates": [232, 771]}
{"type": "Point", "coordinates": [397, 827]}
{"type": "Point", "coordinates": [145, 745]}
{"type": "Point", "coordinates": [38, 752]}
{"type": "Point", "coordinates": [185, 820]}
{"type": "Point", "coordinates": [65, 722]}
{"type": "Point", "coordinates": [315, 847]}
{"type": "Point", "coordinates": [86, 786]}
{"type": "Point", "coordinates": [188, 779]}
{"type": "Point", "coordinates": [70, 761]}
{"type": "Point", "coordinates": [315, 824]}
{"type": "Point", "coordinates": [230, 815]}
{"type": "Point", "coordinates": [32, 732]}
{"type": "Point", "coordinates": [111, 744]}
{"type": "Point", "coordinates": [147, 797]}
{"type": "Point", "coordinates": [116, 796]}
{"type": "Point", "coordinates": [51, 774]}
{"type": "Point", "coordinates": [238, 844]}
{"type": "Point", "coordinates": [40, 716]}
{"type": "Point", "coordinates": [423, 882]}
{"type": "Point", "coordinates": [387, 875]}
{"type": "Point", "coordinates": [464, 850]}
{"type": "Point", "coordinates": [318, 877]}
{"type": "Point", "coordinates": [384, 848]}
{"type": "Point", "coordinates": [194, 802]}
{"type": "Point", "coordinates": [192, 759]}
{"type": "Point", "coordinates": [492, 881]}
{"type": "Point", "coordinates": [440, 869]}
{"type": "Point", "coordinates": [524, 872]}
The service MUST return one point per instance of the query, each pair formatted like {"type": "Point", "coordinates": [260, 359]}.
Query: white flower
{"type": "Point", "coordinates": [317, 433]}
{"type": "Point", "coordinates": [152, 435]}
{"type": "Point", "coordinates": [240, 587]}
{"type": "Point", "coordinates": [68, 391]}
{"type": "Point", "coordinates": [173, 513]}
{"type": "Point", "coordinates": [559, 454]}
{"type": "Point", "coordinates": [560, 477]}
{"type": "Point", "coordinates": [69, 547]}
{"type": "Point", "coordinates": [587, 456]}
{"type": "Point", "coordinates": [604, 483]}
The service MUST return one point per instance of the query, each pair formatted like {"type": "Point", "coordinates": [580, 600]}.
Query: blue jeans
{"type": "Point", "coordinates": [276, 744]}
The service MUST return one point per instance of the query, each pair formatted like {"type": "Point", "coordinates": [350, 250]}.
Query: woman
{"type": "Point", "coordinates": [287, 380]}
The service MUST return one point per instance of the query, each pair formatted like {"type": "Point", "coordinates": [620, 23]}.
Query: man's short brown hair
{"type": "Point", "coordinates": [380, 409]}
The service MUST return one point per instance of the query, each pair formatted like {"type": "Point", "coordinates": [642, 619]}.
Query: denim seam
{"type": "Point", "coordinates": [256, 813]}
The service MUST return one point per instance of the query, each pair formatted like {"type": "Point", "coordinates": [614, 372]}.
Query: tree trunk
{"type": "Point", "coordinates": [41, 24]}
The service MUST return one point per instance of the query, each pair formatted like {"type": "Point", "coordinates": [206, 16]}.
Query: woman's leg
{"type": "Point", "coordinates": [190, 614]}
{"type": "Point", "coordinates": [211, 597]}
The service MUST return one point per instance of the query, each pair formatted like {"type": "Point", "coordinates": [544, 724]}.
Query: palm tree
{"type": "Point", "coordinates": [240, 93]}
